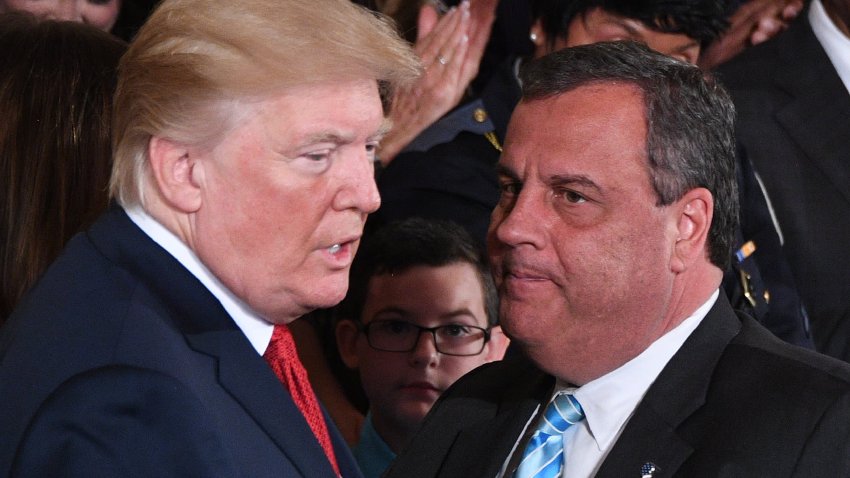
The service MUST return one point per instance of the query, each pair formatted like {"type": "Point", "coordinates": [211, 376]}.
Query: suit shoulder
{"type": "Point", "coordinates": [480, 393]}
{"type": "Point", "coordinates": [80, 278]}
{"type": "Point", "coordinates": [752, 66]}
{"type": "Point", "coordinates": [796, 369]}
{"type": "Point", "coordinates": [495, 378]}
{"type": "Point", "coordinates": [474, 423]}
{"type": "Point", "coordinates": [130, 409]}
{"type": "Point", "coordinates": [758, 65]}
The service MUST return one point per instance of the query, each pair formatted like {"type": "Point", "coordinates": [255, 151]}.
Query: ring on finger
{"type": "Point", "coordinates": [443, 60]}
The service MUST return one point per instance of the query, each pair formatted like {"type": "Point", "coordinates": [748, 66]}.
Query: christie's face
{"type": "Point", "coordinates": [580, 251]}
{"type": "Point", "coordinates": [285, 195]}
{"type": "Point", "coordinates": [402, 386]}
{"type": "Point", "coordinates": [598, 25]}
{"type": "Point", "coordinates": [98, 13]}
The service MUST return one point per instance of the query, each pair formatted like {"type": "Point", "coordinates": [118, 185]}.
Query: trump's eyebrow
{"type": "Point", "coordinates": [334, 137]}
{"type": "Point", "coordinates": [339, 137]}
{"type": "Point", "coordinates": [385, 128]}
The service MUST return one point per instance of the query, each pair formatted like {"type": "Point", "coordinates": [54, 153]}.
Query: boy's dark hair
{"type": "Point", "coordinates": [398, 246]}
{"type": "Point", "coordinates": [702, 20]}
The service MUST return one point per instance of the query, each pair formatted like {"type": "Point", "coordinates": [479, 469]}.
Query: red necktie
{"type": "Point", "coordinates": [283, 358]}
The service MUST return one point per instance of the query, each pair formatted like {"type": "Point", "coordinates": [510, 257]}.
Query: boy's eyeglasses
{"type": "Point", "coordinates": [400, 336]}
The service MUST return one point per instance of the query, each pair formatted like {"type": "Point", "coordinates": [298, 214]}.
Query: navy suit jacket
{"type": "Point", "coordinates": [794, 123]}
{"type": "Point", "coordinates": [120, 363]}
{"type": "Point", "coordinates": [734, 401]}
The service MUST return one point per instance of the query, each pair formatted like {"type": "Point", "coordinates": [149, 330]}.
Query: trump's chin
{"type": "Point", "coordinates": [331, 291]}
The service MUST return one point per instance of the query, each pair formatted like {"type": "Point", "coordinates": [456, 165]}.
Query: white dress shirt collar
{"type": "Point", "coordinates": [609, 401]}
{"type": "Point", "coordinates": [833, 41]}
{"type": "Point", "coordinates": [256, 329]}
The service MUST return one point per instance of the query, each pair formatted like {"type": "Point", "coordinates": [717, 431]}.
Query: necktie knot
{"type": "Point", "coordinates": [563, 412]}
{"type": "Point", "coordinates": [544, 454]}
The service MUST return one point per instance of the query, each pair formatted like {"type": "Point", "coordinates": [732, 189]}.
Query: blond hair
{"type": "Point", "coordinates": [194, 57]}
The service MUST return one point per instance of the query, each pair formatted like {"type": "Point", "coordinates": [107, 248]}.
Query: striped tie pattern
{"type": "Point", "coordinates": [544, 454]}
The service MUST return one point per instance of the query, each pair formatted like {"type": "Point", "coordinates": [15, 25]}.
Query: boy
{"type": "Point", "coordinates": [420, 313]}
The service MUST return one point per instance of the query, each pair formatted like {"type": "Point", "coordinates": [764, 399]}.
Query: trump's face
{"type": "Point", "coordinates": [285, 194]}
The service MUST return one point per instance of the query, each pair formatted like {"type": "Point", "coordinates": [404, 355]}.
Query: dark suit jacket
{"type": "Point", "coordinates": [120, 363]}
{"type": "Point", "coordinates": [734, 401]}
{"type": "Point", "coordinates": [794, 123]}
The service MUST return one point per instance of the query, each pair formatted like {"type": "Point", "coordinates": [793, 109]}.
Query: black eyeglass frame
{"type": "Point", "coordinates": [432, 330]}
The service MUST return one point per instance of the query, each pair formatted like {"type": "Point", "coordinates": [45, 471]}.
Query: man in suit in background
{"type": "Point", "coordinates": [243, 170]}
{"type": "Point", "coordinates": [792, 95]}
{"type": "Point", "coordinates": [608, 245]}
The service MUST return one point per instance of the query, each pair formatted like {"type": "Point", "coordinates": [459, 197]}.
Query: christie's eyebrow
{"type": "Point", "coordinates": [573, 180]}
{"type": "Point", "coordinates": [505, 172]}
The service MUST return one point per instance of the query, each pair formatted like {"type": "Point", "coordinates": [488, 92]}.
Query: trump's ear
{"type": "Point", "coordinates": [174, 170]}
{"type": "Point", "coordinates": [346, 342]}
{"type": "Point", "coordinates": [694, 211]}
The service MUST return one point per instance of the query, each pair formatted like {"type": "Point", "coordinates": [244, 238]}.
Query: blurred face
{"type": "Point", "coordinates": [581, 253]}
{"type": "Point", "coordinates": [598, 25]}
{"type": "Point", "coordinates": [285, 195]}
{"type": "Point", "coordinates": [98, 13]}
{"type": "Point", "coordinates": [402, 386]}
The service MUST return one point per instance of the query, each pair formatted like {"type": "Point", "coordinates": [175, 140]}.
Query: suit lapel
{"type": "Point", "coordinates": [481, 449]}
{"type": "Point", "coordinates": [650, 436]}
{"type": "Point", "coordinates": [245, 375]}
{"type": "Point", "coordinates": [817, 117]}
{"type": "Point", "coordinates": [210, 330]}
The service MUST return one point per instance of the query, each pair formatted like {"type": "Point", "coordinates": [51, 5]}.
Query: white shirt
{"type": "Point", "coordinates": [256, 329]}
{"type": "Point", "coordinates": [833, 41]}
{"type": "Point", "coordinates": [610, 400]}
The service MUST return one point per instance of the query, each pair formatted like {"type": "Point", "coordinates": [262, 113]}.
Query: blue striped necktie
{"type": "Point", "coordinates": [544, 454]}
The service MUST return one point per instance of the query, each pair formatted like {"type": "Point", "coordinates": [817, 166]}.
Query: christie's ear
{"type": "Point", "coordinates": [497, 346]}
{"type": "Point", "coordinates": [346, 342]}
{"type": "Point", "coordinates": [176, 172]}
{"type": "Point", "coordinates": [694, 212]}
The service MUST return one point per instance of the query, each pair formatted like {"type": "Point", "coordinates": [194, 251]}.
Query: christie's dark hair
{"type": "Point", "coordinates": [689, 118]}
{"type": "Point", "coordinates": [56, 86]}
{"type": "Point", "coordinates": [399, 246]}
{"type": "Point", "coordinates": [702, 20]}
